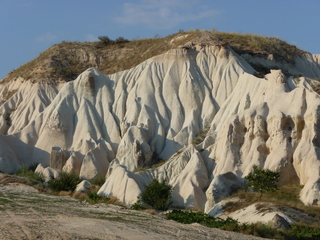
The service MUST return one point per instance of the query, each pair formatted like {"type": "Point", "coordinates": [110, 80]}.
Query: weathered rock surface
{"type": "Point", "coordinates": [280, 222]}
{"type": "Point", "coordinates": [48, 173]}
{"type": "Point", "coordinates": [115, 125]}
{"type": "Point", "coordinates": [83, 186]}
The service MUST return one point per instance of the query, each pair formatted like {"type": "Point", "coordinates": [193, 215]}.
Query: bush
{"type": "Point", "coordinates": [105, 40]}
{"type": "Point", "coordinates": [98, 180]}
{"type": "Point", "coordinates": [263, 180]}
{"type": "Point", "coordinates": [137, 205]}
{"type": "Point", "coordinates": [121, 40]}
{"type": "Point", "coordinates": [66, 182]}
{"type": "Point", "coordinates": [95, 198]}
{"type": "Point", "coordinates": [157, 195]}
{"type": "Point", "coordinates": [27, 172]}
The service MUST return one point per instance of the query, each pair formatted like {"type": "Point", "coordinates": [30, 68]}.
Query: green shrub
{"type": "Point", "coordinates": [95, 198]}
{"type": "Point", "coordinates": [188, 217]}
{"type": "Point", "coordinates": [26, 172]}
{"type": "Point", "coordinates": [263, 180]}
{"type": "Point", "coordinates": [121, 40]}
{"type": "Point", "coordinates": [303, 232]}
{"type": "Point", "coordinates": [98, 180]}
{"type": "Point", "coordinates": [137, 205]}
{"type": "Point", "coordinates": [33, 166]}
{"type": "Point", "coordinates": [66, 182]}
{"type": "Point", "coordinates": [256, 229]}
{"type": "Point", "coordinates": [157, 195]}
{"type": "Point", "coordinates": [105, 40]}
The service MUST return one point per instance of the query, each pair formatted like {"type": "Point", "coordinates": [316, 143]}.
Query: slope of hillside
{"type": "Point", "coordinates": [114, 125]}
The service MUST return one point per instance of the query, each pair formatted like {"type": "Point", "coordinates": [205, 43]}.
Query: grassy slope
{"type": "Point", "coordinates": [65, 61]}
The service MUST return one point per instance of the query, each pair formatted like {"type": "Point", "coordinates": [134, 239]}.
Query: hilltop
{"type": "Point", "coordinates": [66, 60]}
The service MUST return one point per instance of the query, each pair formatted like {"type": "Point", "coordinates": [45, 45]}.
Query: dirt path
{"type": "Point", "coordinates": [27, 214]}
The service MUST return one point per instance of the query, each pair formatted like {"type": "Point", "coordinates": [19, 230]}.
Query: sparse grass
{"type": "Point", "coordinates": [256, 229]}
{"type": "Point", "coordinates": [66, 182]}
{"type": "Point", "coordinates": [201, 135]}
{"type": "Point", "coordinates": [255, 44]}
{"type": "Point", "coordinates": [95, 198]}
{"type": "Point", "coordinates": [62, 61]}
{"type": "Point", "coordinates": [154, 166]}
{"type": "Point", "coordinates": [27, 172]}
{"type": "Point", "coordinates": [9, 94]}
{"type": "Point", "coordinates": [286, 196]}
{"type": "Point", "coordinates": [98, 180]}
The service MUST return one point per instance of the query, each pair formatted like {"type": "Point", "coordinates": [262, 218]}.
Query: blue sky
{"type": "Point", "coordinates": [29, 27]}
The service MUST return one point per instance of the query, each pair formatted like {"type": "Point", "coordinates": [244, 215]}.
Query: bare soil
{"type": "Point", "coordinates": [28, 214]}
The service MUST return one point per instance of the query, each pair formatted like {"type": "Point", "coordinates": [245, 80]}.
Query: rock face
{"type": "Point", "coordinates": [280, 222]}
{"type": "Point", "coordinates": [113, 126]}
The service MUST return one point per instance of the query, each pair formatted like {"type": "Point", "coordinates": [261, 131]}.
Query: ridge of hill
{"type": "Point", "coordinates": [66, 60]}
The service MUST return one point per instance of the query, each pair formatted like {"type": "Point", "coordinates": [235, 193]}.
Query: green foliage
{"type": "Point", "coordinates": [33, 166]}
{"type": "Point", "coordinates": [188, 217]}
{"type": "Point", "coordinates": [263, 180]}
{"type": "Point", "coordinates": [66, 182]}
{"type": "Point", "coordinates": [121, 40]}
{"type": "Point", "coordinates": [303, 232]}
{"type": "Point", "coordinates": [95, 198]}
{"type": "Point", "coordinates": [157, 195]}
{"type": "Point", "coordinates": [256, 229]}
{"type": "Point", "coordinates": [98, 180]}
{"type": "Point", "coordinates": [137, 205]}
{"type": "Point", "coordinates": [105, 40]}
{"type": "Point", "coordinates": [27, 172]}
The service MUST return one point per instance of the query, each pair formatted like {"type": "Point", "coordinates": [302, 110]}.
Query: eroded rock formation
{"type": "Point", "coordinates": [117, 125]}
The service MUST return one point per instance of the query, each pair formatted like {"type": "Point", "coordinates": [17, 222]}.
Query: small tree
{"type": "Point", "coordinates": [157, 195]}
{"type": "Point", "coordinates": [105, 40]}
{"type": "Point", "coordinates": [262, 180]}
{"type": "Point", "coordinates": [121, 40]}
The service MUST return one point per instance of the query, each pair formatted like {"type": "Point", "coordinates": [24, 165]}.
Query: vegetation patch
{"type": "Point", "coordinates": [28, 172]}
{"type": "Point", "coordinates": [256, 229]}
{"type": "Point", "coordinates": [263, 180]}
{"type": "Point", "coordinates": [95, 198]}
{"type": "Point", "coordinates": [98, 180]}
{"type": "Point", "coordinates": [254, 44]}
{"type": "Point", "coordinates": [157, 195]}
{"type": "Point", "coordinates": [66, 60]}
{"type": "Point", "coordinates": [200, 136]}
{"type": "Point", "coordinates": [66, 182]}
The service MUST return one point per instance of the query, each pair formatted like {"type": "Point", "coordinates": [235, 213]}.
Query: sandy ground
{"type": "Point", "coordinates": [28, 214]}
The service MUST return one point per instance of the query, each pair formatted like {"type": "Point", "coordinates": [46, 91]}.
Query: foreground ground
{"type": "Point", "coordinates": [28, 214]}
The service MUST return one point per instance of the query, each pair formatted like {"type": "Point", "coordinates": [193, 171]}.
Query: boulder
{"type": "Point", "coordinates": [221, 186]}
{"type": "Point", "coordinates": [83, 186]}
{"type": "Point", "coordinates": [48, 173]}
{"type": "Point", "coordinates": [280, 222]}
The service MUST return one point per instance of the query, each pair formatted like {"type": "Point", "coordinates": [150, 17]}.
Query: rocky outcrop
{"type": "Point", "coordinates": [280, 222]}
{"type": "Point", "coordinates": [115, 126]}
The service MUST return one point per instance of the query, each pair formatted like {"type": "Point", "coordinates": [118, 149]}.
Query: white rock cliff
{"type": "Point", "coordinates": [114, 125]}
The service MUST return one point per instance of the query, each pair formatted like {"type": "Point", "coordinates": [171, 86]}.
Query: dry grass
{"type": "Point", "coordinates": [150, 211]}
{"type": "Point", "coordinates": [65, 193]}
{"type": "Point", "coordinates": [65, 61]}
{"type": "Point", "coordinates": [255, 44]}
{"type": "Point", "coordinates": [286, 196]}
